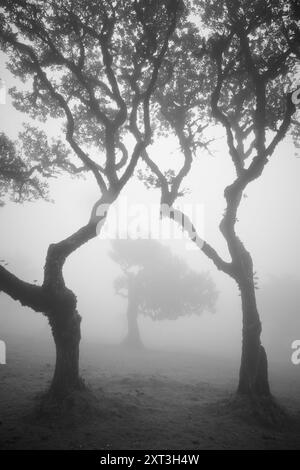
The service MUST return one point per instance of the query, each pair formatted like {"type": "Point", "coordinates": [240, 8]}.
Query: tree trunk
{"type": "Point", "coordinates": [133, 338]}
{"type": "Point", "coordinates": [253, 379]}
{"type": "Point", "coordinates": [58, 303]}
{"type": "Point", "coordinates": [66, 333]}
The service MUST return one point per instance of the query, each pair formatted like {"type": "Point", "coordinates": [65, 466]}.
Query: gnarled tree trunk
{"type": "Point", "coordinates": [65, 326]}
{"type": "Point", "coordinates": [63, 316]}
{"type": "Point", "coordinates": [253, 379]}
{"type": "Point", "coordinates": [254, 367]}
{"type": "Point", "coordinates": [59, 305]}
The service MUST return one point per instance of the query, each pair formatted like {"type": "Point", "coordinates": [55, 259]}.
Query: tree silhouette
{"type": "Point", "coordinates": [24, 171]}
{"type": "Point", "coordinates": [158, 284]}
{"type": "Point", "coordinates": [243, 68]}
{"type": "Point", "coordinates": [93, 66]}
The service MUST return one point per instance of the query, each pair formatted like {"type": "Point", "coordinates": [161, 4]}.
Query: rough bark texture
{"type": "Point", "coordinates": [253, 378]}
{"type": "Point", "coordinates": [66, 333]}
{"type": "Point", "coordinates": [63, 316]}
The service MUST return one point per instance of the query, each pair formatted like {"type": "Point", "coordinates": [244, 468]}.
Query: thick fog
{"type": "Point", "coordinates": [269, 224]}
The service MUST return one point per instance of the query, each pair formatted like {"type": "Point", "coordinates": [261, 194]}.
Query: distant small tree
{"type": "Point", "coordinates": [158, 285]}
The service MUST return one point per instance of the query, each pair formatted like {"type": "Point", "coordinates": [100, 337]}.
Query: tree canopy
{"type": "Point", "coordinates": [25, 169]}
{"type": "Point", "coordinates": [164, 285]}
{"type": "Point", "coordinates": [95, 65]}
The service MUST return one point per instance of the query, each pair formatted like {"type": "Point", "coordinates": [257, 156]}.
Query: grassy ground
{"type": "Point", "coordinates": [150, 400]}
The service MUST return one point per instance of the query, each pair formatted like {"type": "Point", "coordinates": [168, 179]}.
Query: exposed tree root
{"type": "Point", "coordinates": [75, 406]}
{"type": "Point", "coordinates": [263, 410]}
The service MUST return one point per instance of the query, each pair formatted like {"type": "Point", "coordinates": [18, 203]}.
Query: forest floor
{"type": "Point", "coordinates": [153, 400]}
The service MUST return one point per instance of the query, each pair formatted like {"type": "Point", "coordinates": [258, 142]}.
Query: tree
{"type": "Point", "coordinates": [23, 172]}
{"type": "Point", "coordinates": [248, 53]}
{"type": "Point", "coordinates": [158, 285]}
{"type": "Point", "coordinates": [94, 67]}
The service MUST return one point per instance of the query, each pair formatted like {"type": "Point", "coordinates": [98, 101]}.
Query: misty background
{"type": "Point", "coordinates": [269, 225]}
